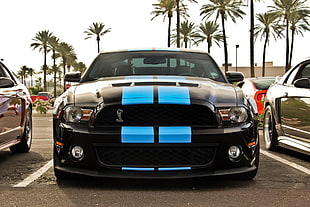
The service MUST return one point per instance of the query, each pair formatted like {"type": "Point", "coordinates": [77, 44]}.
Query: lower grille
{"type": "Point", "coordinates": [156, 156]}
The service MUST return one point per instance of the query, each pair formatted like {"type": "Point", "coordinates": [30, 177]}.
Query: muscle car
{"type": "Point", "coordinates": [157, 113]}
{"type": "Point", "coordinates": [15, 113]}
{"type": "Point", "coordinates": [287, 110]}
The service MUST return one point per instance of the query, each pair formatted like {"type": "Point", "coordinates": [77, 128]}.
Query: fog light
{"type": "Point", "coordinates": [77, 152]}
{"type": "Point", "coordinates": [234, 152]}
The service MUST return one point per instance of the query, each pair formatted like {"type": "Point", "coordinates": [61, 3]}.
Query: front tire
{"type": "Point", "coordinates": [26, 139]}
{"type": "Point", "coordinates": [270, 133]}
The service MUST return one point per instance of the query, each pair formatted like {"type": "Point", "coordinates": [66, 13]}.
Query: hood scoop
{"type": "Point", "coordinates": [122, 84]}
{"type": "Point", "coordinates": [152, 83]}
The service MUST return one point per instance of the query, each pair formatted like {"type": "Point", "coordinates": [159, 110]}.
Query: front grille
{"type": "Point", "coordinates": [147, 156]}
{"type": "Point", "coordinates": [157, 115]}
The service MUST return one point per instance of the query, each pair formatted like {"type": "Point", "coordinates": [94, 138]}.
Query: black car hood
{"type": "Point", "coordinates": [151, 89]}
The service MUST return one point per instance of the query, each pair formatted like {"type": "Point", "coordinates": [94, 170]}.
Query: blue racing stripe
{"type": "Point", "coordinates": [138, 168]}
{"type": "Point", "coordinates": [137, 134]}
{"type": "Point", "coordinates": [138, 95]}
{"type": "Point", "coordinates": [179, 134]}
{"type": "Point", "coordinates": [173, 95]}
{"type": "Point", "coordinates": [173, 168]}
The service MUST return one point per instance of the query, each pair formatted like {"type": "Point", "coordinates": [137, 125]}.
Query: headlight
{"type": "Point", "coordinates": [234, 114]}
{"type": "Point", "coordinates": [76, 114]}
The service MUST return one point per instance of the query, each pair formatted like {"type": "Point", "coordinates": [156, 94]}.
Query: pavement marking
{"type": "Point", "coordinates": [34, 175]}
{"type": "Point", "coordinates": [286, 162]}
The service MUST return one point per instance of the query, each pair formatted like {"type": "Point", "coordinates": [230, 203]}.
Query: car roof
{"type": "Point", "coordinates": [155, 49]}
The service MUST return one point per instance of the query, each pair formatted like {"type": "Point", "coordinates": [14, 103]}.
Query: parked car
{"type": "Point", "coordinates": [15, 113]}
{"type": "Point", "coordinates": [45, 96]}
{"type": "Point", "coordinates": [256, 88]}
{"type": "Point", "coordinates": [287, 111]}
{"type": "Point", "coordinates": [155, 114]}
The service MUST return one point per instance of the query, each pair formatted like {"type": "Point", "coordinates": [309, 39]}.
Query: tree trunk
{"type": "Point", "coordinates": [264, 55]}
{"type": "Point", "coordinates": [178, 23]}
{"type": "Point", "coordinates": [169, 30]}
{"type": "Point", "coordinates": [252, 39]}
{"type": "Point", "coordinates": [225, 42]}
{"type": "Point", "coordinates": [55, 73]}
{"type": "Point", "coordinates": [292, 47]}
{"type": "Point", "coordinates": [98, 44]}
{"type": "Point", "coordinates": [44, 69]}
{"type": "Point", "coordinates": [287, 45]}
{"type": "Point", "coordinates": [64, 70]}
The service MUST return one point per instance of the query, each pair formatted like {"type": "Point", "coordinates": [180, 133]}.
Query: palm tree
{"type": "Point", "coordinates": [54, 44]}
{"type": "Point", "coordinates": [31, 72]}
{"type": "Point", "coordinates": [23, 73]}
{"type": "Point", "coordinates": [267, 26]}
{"type": "Point", "coordinates": [79, 66]}
{"type": "Point", "coordinates": [66, 53]}
{"type": "Point", "coordinates": [252, 37]}
{"type": "Point", "coordinates": [97, 30]}
{"type": "Point", "coordinates": [187, 33]}
{"type": "Point", "coordinates": [299, 24]}
{"type": "Point", "coordinates": [179, 6]}
{"type": "Point", "coordinates": [223, 9]}
{"type": "Point", "coordinates": [42, 39]}
{"type": "Point", "coordinates": [209, 31]}
{"type": "Point", "coordinates": [284, 10]}
{"type": "Point", "coordinates": [165, 7]}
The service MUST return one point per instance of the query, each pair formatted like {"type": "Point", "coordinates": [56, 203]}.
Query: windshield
{"type": "Point", "coordinates": [150, 63]}
{"type": "Point", "coordinates": [264, 83]}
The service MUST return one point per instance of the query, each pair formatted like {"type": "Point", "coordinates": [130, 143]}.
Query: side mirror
{"type": "Point", "coordinates": [302, 83]}
{"type": "Point", "coordinates": [73, 77]}
{"type": "Point", "coordinates": [6, 82]}
{"type": "Point", "coordinates": [234, 76]}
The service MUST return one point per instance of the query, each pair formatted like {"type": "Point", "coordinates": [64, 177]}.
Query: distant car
{"type": "Point", "coordinates": [44, 95]}
{"type": "Point", "coordinates": [15, 113]}
{"type": "Point", "coordinates": [157, 113]}
{"type": "Point", "coordinates": [256, 88]}
{"type": "Point", "coordinates": [287, 111]}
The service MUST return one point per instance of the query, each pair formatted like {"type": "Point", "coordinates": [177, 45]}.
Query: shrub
{"type": "Point", "coordinates": [42, 106]}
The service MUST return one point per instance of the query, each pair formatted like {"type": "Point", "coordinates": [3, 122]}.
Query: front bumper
{"type": "Point", "coordinates": [205, 155]}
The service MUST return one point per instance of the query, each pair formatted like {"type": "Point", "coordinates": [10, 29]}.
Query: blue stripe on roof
{"type": "Point", "coordinates": [138, 95]}
{"type": "Point", "coordinates": [178, 134]}
{"type": "Point", "coordinates": [137, 134]}
{"type": "Point", "coordinates": [173, 95]}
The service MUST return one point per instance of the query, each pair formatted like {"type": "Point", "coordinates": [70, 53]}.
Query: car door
{"type": "Point", "coordinates": [295, 105]}
{"type": "Point", "coordinates": [11, 109]}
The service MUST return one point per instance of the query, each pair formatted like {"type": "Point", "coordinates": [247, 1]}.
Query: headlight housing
{"type": "Point", "coordinates": [76, 114]}
{"type": "Point", "coordinates": [234, 114]}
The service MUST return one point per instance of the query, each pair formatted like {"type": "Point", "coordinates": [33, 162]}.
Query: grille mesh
{"type": "Point", "coordinates": [156, 156]}
{"type": "Point", "coordinates": [157, 115]}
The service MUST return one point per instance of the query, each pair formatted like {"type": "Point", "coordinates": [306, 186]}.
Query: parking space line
{"type": "Point", "coordinates": [34, 175]}
{"type": "Point", "coordinates": [286, 162]}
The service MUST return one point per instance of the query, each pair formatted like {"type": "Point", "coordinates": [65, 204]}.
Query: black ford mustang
{"type": "Point", "coordinates": [155, 114]}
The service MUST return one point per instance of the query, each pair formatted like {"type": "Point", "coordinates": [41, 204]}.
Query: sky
{"type": "Point", "coordinates": [131, 27]}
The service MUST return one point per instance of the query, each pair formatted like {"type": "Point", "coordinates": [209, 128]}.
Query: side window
{"type": "Point", "coordinates": [305, 73]}
{"type": "Point", "coordinates": [2, 72]}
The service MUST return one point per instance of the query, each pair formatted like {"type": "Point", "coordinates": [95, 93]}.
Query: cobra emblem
{"type": "Point", "coordinates": [119, 116]}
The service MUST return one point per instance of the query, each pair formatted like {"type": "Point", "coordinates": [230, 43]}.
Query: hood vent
{"type": "Point", "coordinates": [189, 84]}
{"type": "Point", "coordinates": [122, 84]}
{"type": "Point", "coordinates": [155, 83]}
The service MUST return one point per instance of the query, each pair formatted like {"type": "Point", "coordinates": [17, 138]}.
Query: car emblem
{"type": "Point", "coordinates": [119, 116]}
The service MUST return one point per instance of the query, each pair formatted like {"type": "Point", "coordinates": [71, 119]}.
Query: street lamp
{"type": "Point", "coordinates": [237, 46]}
